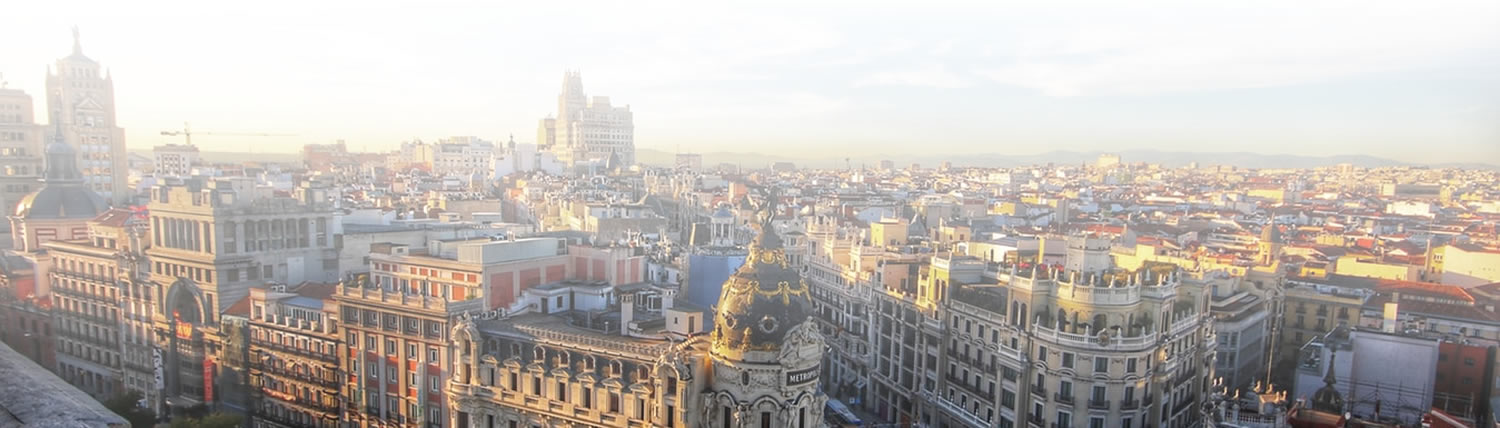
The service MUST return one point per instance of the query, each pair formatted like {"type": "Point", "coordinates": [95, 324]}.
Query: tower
{"type": "Point", "coordinates": [766, 349]}
{"type": "Point", "coordinates": [61, 209]}
{"type": "Point", "coordinates": [1270, 244]}
{"type": "Point", "coordinates": [81, 106]}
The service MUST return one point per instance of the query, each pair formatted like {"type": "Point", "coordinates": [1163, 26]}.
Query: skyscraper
{"type": "Point", "coordinates": [81, 99]}
{"type": "Point", "coordinates": [587, 129]}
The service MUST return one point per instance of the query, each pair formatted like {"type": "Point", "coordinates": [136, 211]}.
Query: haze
{"type": "Point", "coordinates": [1415, 81]}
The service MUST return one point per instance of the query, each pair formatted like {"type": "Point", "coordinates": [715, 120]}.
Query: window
{"type": "Point", "coordinates": [432, 354]}
{"type": "Point", "coordinates": [1096, 422]}
{"type": "Point", "coordinates": [765, 419]}
{"type": "Point", "coordinates": [411, 351]}
{"type": "Point", "coordinates": [1101, 365]}
{"type": "Point", "coordinates": [1067, 360]}
{"type": "Point", "coordinates": [390, 347]}
{"type": "Point", "coordinates": [1065, 389]}
{"type": "Point", "coordinates": [1127, 422]}
{"type": "Point", "coordinates": [1041, 353]}
{"type": "Point", "coordinates": [1098, 393]}
{"type": "Point", "coordinates": [432, 384]}
{"type": "Point", "coordinates": [1065, 420]}
{"type": "Point", "coordinates": [1130, 365]}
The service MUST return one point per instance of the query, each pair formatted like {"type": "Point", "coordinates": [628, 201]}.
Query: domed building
{"type": "Point", "coordinates": [765, 349]}
{"type": "Point", "coordinates": [61, 209]}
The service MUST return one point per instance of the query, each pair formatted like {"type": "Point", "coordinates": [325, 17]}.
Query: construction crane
{"type": "Point", "coordinates": [187, 133]}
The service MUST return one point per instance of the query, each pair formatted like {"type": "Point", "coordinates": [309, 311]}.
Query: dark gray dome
{"type": "Point", "coordinates": [763, 300]}
{"type": "Point", "coordinates": [61, 201]}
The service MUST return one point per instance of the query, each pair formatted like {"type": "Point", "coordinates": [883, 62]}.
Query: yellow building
{"type": "Point", "coordinates": [1464, 265]}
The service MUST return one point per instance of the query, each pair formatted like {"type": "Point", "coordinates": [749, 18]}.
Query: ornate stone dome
{"type": "Point", "coordinates": [63, 194]}
{"type": "Point", "coordinates": [762, 301]}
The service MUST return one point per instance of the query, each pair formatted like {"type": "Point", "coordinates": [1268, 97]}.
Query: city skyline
{"type": "Point", "coordinates": [1414, 84]}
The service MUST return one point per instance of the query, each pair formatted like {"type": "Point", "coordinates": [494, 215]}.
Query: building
{"type": "Point", "coordinates": [295, 356]}
{"type": "Point", "coordinates": [1242, 325]}
{"type": "Point", "coordinates": [1358, 363]}
{"type": "Point", "coordinates": [102, 326]}
{"type": "Point", "coordinates": [1464, 265]}
{"type": "Point", "coordinates": [81, 103]}
{"type": "Point", "coordinates": [20, 147]}
{"type": "Point", "coordinates": [324, 157]}
{"type": "Point", "coordinates": [1108, 160]}
{"type": "Point", "coordinates": [690, 161]}
{"type": "Point", "coordinates": [31, 396]}
{"type": "Point", "coordinates": [174, 159]}
{"type": "Point", "coordinates": [1085, 345]}
{"type": "Point", "coordinates": [463, 155]}
{"type": "Point", "coordinates": [587, 129]}
{"type": "Point", "coordinates": [593, 362]}
{"type": "Point", "coordinates": [398, 352]}
{"type": "Point", "coordinates": [211, 241]}
{"type": "Point", "coordinates": [61, 208]}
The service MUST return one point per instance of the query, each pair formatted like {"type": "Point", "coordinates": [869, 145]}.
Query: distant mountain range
{"type": "Point", "coordinates": [1171, 159]}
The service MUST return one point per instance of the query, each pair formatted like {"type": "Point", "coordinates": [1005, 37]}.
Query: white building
{"type": "Point", "coordinates": [83, 102]}
{"type": "Point", "coordinates": [174, 159]}
{"type": "Point", "coordinates": [587, 129]}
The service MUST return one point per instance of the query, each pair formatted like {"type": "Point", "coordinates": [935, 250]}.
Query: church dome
{"type": "Point", "coordinates": [762, 301]}
{"type": "Point", "coordinates": [63, 195]}
{"type": "Point", "coordinates": [70, 201]}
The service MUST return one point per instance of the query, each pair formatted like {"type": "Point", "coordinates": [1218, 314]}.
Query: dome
{"type": "Point", "coordinates": [73, 201]}
{"type": "Point", "coordinates": [762, 301]}
{"type": "Point", "coordinates": [63, 194]}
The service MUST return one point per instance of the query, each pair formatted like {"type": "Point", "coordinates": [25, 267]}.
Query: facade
{"type": "Point", "coordinates": [587, 129]}
{"type": "Point", "coordinates": [1085, 346]}
{"type": "Point", "coordinates": [81, 103]}
{"type": "Point", "coordinates": [631, 356]}
{"type": "Point", "coordinates": [295, 356]}
{"type": "Point", "coordinates": [174, 159]}
{"type": "Point", "coordinates": [397, 353]}
{"type": "Point", "coordinates": [1242, 324]}
{"type": "Point", "coordinates": [463, 155]}
{"type": "Point", "coordinates": [104, 302]}
{"type": "Point", "coordinates": [20, 147]}
{"type": "Point", "coordinates": [1464, 265]}
{"type": "Point", "coordinates": [211, 241]}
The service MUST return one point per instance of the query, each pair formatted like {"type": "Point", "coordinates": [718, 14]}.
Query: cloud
{"type": "Point", "coordinates": [934, 77]}
{"type": "Point", "coordinates": [1184, 50]}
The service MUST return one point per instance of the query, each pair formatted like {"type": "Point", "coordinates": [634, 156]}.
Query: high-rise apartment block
{"type": "Point", "coordinates": [587, 129]}
{"type": "Point", "coordinates": [81, 105]}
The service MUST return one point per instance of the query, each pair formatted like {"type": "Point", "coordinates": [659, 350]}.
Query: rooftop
{"type": "Point", "coordinates": [33, 397]}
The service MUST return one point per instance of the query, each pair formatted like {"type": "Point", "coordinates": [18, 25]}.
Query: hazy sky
{"type": "Point", "coordinates": [1412, 80]}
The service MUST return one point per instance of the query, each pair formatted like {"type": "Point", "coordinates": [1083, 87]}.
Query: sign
{"type": "Point", "coordinates": [208, 380]}
{"type": "Point", "coordinates": [156, 369]}
{"type": "Point", "coordinates": [802, 376]}
{"type": "Point", "coordinates": [184, 330]}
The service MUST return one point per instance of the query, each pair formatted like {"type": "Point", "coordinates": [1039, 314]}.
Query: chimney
{"type": "Point", "coordinates": [627, 313]}
{"type": "Point", "coordinates": [1389, 325]}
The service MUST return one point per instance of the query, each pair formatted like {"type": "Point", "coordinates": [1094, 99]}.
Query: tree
{"type": "Point", "coordinates": [212, 420]}
{"type": "Point", "coordinates": [127, 405]}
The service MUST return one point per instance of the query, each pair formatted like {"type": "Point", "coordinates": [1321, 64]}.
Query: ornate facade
{"type": "Point", "coordinates": [623, 360]}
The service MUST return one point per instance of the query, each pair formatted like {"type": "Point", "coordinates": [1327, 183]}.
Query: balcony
{"type": "Point", "coordinates": [284, 375]}
{"type": "Point", "coordinates": [1099, 404]}
{"type": "Point", "coordinates": [1063, 398]}
{"type": "Point", "coordinates": [320, 356]}
{"type": "Point", "coordinates": [1039, 390]}
{"type": "Point", "coordinates": [1129, 404]}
